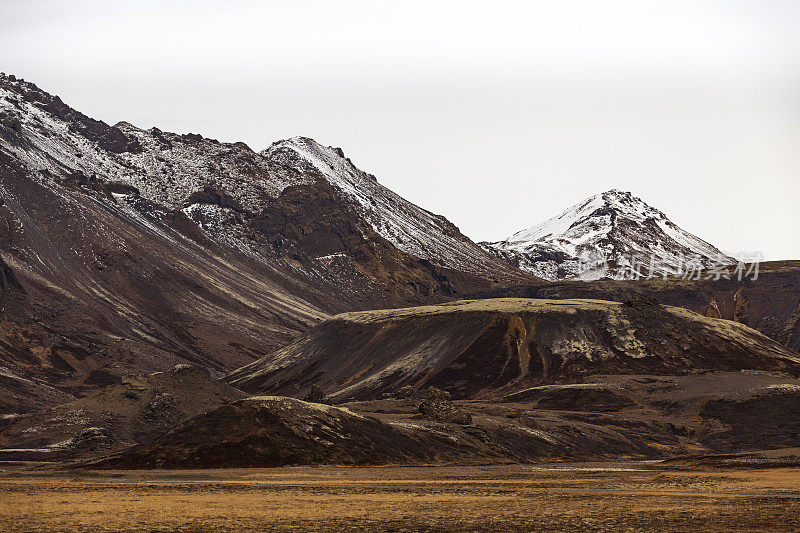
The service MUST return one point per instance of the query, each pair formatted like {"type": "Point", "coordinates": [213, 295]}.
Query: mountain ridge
{"type": "Point", "coordinates": [609, 235]}
{"type": "Point", "coordinates": [136, 249]}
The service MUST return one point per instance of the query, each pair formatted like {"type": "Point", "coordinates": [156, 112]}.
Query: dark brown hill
{"type": "Point", "coordinates": [136, 411]}
{"type": "Point", "coordinates": [483, 348]}
{"type": "Point", "coordinates": [605, 417]}
{"type": "Point", "coordinates": [274, 431]}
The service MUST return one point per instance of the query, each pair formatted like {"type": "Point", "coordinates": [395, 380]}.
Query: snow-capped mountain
{"type": "Point", "coordinates": [410, 228]}
{"type": "Point", "coordinates": [610, 235]}
{"type": "Point", "coordinates": [137, 249]}
{"type": "Point", "coordinates": [176, 171]}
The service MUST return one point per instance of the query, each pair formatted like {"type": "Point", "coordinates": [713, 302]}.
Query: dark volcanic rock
{"type": "Point", "coordinates": [137, 410]}
{"type": "Point", "coordinates": [276, 431]}
{"type": "Point", "coordinates": [486, 348]}
{"type": "Point", "coordinates": [444, 411]}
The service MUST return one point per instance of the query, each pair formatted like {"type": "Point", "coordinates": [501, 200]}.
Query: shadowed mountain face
{"type": "Point", "coordinates": [134, 250]}
{"type": "Point", "coordinates": [486, 348]}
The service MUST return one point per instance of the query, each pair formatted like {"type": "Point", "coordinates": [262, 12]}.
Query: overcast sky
{"type": "Point", "coordinates": [495, 114]}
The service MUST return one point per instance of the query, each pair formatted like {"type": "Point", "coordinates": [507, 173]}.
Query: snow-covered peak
{"type": "Point", "coordinates": [410, 228]}
{"type": "Point", "coordinates": [307, 155]}
{"type": "Point", "coordinates": [219, 185]}
{"type": "Point", "coordinates": [621, 202]}
{"type": "Point", "coordinates": [611, 234]}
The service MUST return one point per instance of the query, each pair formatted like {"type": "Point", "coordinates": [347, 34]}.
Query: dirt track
{"type": "Point", "coordinates": [573, 497]}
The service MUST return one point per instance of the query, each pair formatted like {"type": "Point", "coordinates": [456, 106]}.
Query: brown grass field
{"type": "Point", "coordinates": [587, 497]}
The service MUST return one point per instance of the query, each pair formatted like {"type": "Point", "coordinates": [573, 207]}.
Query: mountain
{"type": "Point", "coordinates": [489, 348]}
{"type": "Point", "coordinates": [131, 250]}
{"type": "Point", "coordinates": [610, 235]}
{"type": "Point", "coordinates": [413, 230]}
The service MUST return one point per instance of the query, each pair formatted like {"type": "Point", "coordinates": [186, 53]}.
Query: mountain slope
{"type": "Point", "coordinates": [486, 348]}
{"type": "Point", "coordinates": [135, 250]}
{"type": "Point", "coordinates": [414, 230]}
{"type": "Point", "coordinates": [613, 235]}
{"type": "Point", "coordinates": [135, 411]}
{"type": "Point", "coordinates": [769, 304]}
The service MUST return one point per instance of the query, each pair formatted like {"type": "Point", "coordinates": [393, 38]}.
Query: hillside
{"type": "Point", "coordinates": [132, 250]}
{"type": "Point", "coordinates": [136, 411]}
{"type": "Point", "coordinates": [486, 348]}
{"type": "Point", "coordinates": [769, 304]}
{"type": "Point", "coordinates": [606, 417]}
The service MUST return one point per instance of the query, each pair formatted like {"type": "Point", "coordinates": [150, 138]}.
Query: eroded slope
{"type": "Point", "coordinates": [478, 348]}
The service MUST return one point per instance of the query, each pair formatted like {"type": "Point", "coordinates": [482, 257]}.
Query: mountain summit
{"type": "Point", "coordinates": [127, 249]}
{"type": "Point", "coordinates": [610, 235]}
{"type": "Point", "coordinates": [410, 228]}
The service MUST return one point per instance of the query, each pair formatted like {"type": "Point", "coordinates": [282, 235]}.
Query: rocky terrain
{"type": "Point", "coordinates": [135, 411]}
{"type": "Point", "coordinates": [601, 418]}
{"type": "Point", "coordinates": [483, 348]}
{"type": "Point", "coordinates": [770, 303]}
{"type": "Point", "coordinates": [610, 235]}
{"type": "Point", "coordinates": [130, 250]}
{"type": "Point", "coordinates": [480, 381]}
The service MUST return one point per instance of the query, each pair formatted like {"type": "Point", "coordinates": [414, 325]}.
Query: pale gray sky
{"type": "Point", "coordinates": [496, 114]}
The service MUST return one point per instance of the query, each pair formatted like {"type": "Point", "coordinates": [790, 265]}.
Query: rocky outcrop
{"type": "Point", "coordinates": [444, 411]}
{"type": "Point", "coordinates": [769, 304]}
{"type": "Point", "coordinates": [107, 137]}
{"type": "Point", "coordinates": [485, 348]}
